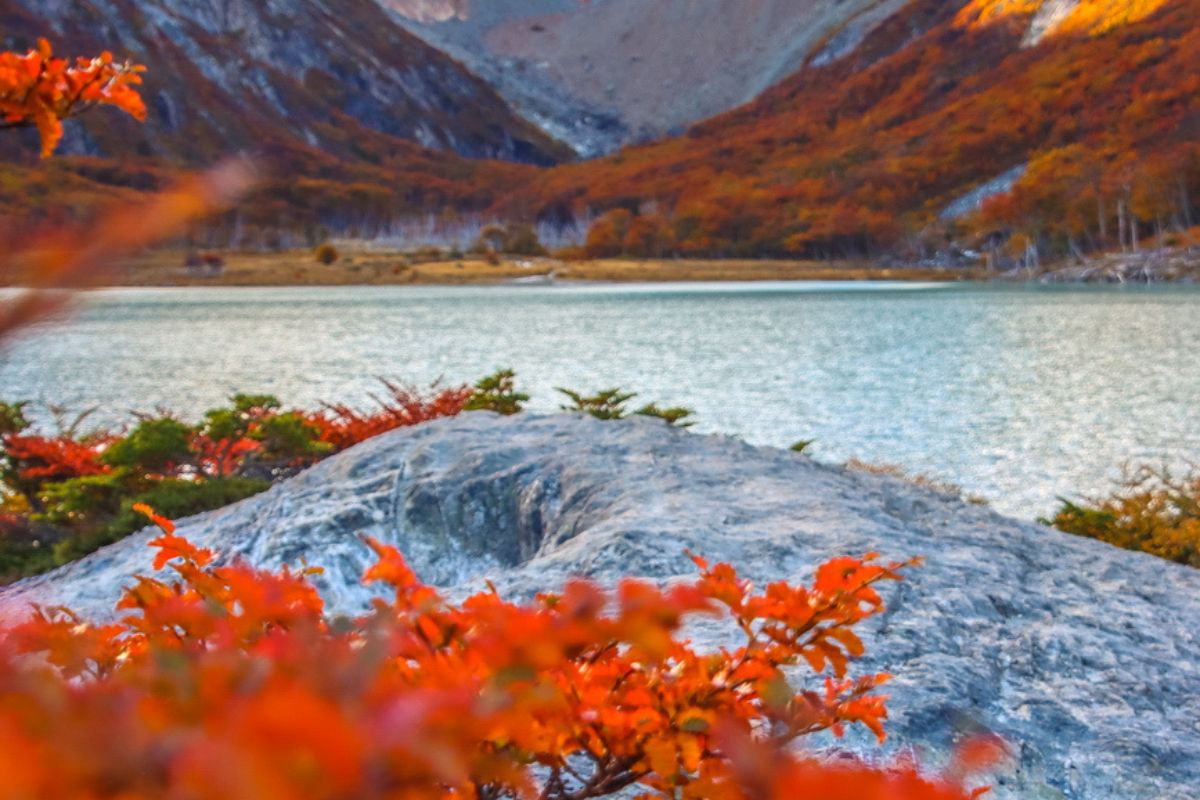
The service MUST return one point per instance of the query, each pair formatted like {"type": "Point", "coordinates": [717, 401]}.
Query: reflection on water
{"type": "Point", "coordinates": [1017, 394]}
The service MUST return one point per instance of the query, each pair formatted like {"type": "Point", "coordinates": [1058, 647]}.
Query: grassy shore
{"type": "Point", "coordinates": [300, 268]}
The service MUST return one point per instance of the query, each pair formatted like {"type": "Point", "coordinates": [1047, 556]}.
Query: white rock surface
{"type": "Point", "coordinates": [1084, 656]}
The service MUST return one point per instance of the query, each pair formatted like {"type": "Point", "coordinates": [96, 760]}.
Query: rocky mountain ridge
{"type": "Point", "coordinates": [340, 78]}
{"type": "Point", "coordinates": [602, 74]}
{"type": "Point", "coordinates": [1084, 656]}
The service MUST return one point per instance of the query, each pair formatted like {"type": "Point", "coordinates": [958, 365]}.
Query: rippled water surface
{"type": "Point", "coordinates": [1016, 394]}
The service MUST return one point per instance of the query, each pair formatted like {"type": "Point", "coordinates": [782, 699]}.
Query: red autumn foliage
{"type": "Point", "coordinates": [224, 456]}
{"type": "Point", "coordinates": [39, 90]}
{"type": "Point", "coordinates": [42, 459]}
{"type": "Point", "coordinates": [343, 426]}
{"type": "Point", "coordinates": [231, 682]}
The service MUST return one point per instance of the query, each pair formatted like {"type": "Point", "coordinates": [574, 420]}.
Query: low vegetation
{"type": "Point", "coordinates": [613, 404]}
{"type": "Point", "coordinates": [1151, 510]}
{"type": "Point", "coordinates": [514, 239]}
{"type": "Point", "coordinates": [498, 392]}
{"type": "Point", "coordinates": [233, 682]}
{"type": "Point", "coordinates": [62, 496]}
{"type": "Point", "coordinates": [326, 254]}
{"type": "Point", "coordinates": [65, 495]}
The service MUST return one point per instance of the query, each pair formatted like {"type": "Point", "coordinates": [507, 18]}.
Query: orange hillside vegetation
{"type": "Point", "coordinates": [1090, 16]}
{"type": "Point", "coordinates": [862, 155]}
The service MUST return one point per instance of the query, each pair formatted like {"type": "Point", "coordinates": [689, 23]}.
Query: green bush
{"type": "Point", "coordinates": [604, 404]}
{"type": "Point", "coordinates": [612, 404]}
{"type": "Point", "coordinates": [289, 437]}
{"type": "Point", "coordinates": [497, 392]}
{"type": "Point", "coordinates": [155, 445]}
{"type": "Point", "coordinates": [12, 418]}
{"type": "Point", "coordinates": [26, 547]}
{"type": "Point", "coordinates": [675, 416]}
{"type": "Point", "coordinates": [234, 421]}
{"type": "Point", "coordinates": [83, 505]}
{"type": "Point", "coordinates": [173, 498]}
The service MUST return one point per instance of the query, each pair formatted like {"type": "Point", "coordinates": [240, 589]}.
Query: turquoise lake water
{"type": "Point", "coordinates": [1017, 394]}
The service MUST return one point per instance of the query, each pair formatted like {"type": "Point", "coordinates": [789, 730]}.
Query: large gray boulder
{"type": "Point", "coordinates": [1084, 656]}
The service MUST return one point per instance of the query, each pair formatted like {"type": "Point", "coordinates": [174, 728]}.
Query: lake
{"type": "Point", "coordinates": [1018, 394]}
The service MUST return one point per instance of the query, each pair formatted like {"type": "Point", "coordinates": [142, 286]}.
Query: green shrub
{"type": "Point", "coordinates": [12, 417]}
{"type": "Point", "coordinates": [613, 404]}
{"type": "Point", "coordinates": [174, 498]}
{"type": "Point", "coordinates": [605, 404]}
{"type": "Point", "coordinates": [675, 416]}
{"type": "Point", "coordinates": [497, 392]}
{"type": "Point", "coordinates": [155, 445]}
{"type": "Point", "coordinates": [289, 437]}
{"type": "Point", "coordinates": [84, 505]}
{"type": "Point", "coordinates": [233, 422]}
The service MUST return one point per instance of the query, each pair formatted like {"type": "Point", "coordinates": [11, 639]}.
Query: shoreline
{"type": "Point", "coordinates": [299, 268]}
{"type": "Point", "coordinates": [393, 268]}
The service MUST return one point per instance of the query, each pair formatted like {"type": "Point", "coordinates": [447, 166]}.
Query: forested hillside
{"type": "Point", "coordinates": [1094, 114]}
{"type": "Point", "coordinates": [342, 109]}
{"type": "Point", "coordinates": [1010, 127]}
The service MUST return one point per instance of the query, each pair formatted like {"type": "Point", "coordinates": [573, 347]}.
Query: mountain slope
{"type": "Point", "coordinates": [229, 75]}
{"type": "Point", "coordinates": [602, 74]}
{"type": "Point", "coordinates": [1091, 113]}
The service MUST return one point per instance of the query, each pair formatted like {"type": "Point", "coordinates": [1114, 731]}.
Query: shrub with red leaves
{"type": "Point", "coordinates": [342, 426]}
{"type": "Point", "coordinates": [231, 682]}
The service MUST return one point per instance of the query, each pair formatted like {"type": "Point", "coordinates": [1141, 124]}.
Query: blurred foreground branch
{"type": "Point", "coordinates": [84, 256]}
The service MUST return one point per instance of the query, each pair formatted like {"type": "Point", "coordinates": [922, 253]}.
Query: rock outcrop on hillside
{"type": "Point", "coordinates": [599, 75]}
{"type": "Point", "coordinates": [1086, 657]}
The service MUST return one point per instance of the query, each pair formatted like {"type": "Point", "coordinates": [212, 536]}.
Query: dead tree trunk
{"type": "Point", "coordinates": [1121, 223]}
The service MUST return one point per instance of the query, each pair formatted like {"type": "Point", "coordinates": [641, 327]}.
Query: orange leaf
{"type": "Point", "coordinates": [163, 523]}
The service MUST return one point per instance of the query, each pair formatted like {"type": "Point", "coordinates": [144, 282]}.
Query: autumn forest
{"type": "Point", "coordinates": [555, 586]}
{"type": "Point", "coordinates": [1094, 125]}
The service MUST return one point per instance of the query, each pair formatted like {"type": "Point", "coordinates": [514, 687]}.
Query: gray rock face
{"type": "Point", "coordinates": [1084, 656]}
{"type": "Point", "coordinates": [600, 75]}
{"type": "Point", "coordinates": [230, 75]}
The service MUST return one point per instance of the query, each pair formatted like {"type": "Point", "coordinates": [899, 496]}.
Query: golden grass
{"type": "Point", "coordinates": [300, 268]}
